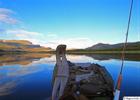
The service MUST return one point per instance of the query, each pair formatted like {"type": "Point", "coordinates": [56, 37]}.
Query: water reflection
{"type": "Point", "coordinates": [29, 76]}
{"type": "Point", "coordinates": [129, 57]}
{"type": "Point", "coordinates": [26, 59]}
{"type": "Point", "coordinates": [6, 87]}
{"type": "Point", "coordinates": [10, 77]}
{"type": "Point", "coordinates": [22, 59]}
{"type": "Point", "coordinates": [13, 69]}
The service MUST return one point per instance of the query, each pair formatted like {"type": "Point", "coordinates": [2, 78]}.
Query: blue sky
{"type": "Point", "coordinates": [77, 23]}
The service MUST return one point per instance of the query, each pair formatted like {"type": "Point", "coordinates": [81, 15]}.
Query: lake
{"type": "Point", "coordinates": [28, 76]}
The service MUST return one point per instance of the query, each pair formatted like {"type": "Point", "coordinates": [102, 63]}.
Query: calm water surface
{"type": "Point", "coordinates": [25, 77]}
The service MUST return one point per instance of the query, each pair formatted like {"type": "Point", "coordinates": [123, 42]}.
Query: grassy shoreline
{"type": "Point", "coordinates": [103, 52]}
{"type": "Point", "coordinates": [77, 52]}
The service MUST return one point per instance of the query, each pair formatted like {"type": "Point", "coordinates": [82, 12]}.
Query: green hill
{"type": "Point", "coordinates": [21, 46]}
{"type": "Point", "coordinates": [131, 47]}
{"type": "Point", "coordinates": [119, 46]}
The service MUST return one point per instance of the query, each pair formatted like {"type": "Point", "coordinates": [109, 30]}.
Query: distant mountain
{"type": "Point", "coordinates": [22, 42]}
{"type": "Point", "coordinates": [102, 46]}
{"type": "Point", "coordinates": [20, 45]}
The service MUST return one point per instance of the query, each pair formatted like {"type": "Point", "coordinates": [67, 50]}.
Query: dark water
{"type": "Point", "coordinates": [28, 77]}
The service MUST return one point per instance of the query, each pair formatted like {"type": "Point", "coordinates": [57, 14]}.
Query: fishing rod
{"type": "Point", "coordinates": [119, 81]}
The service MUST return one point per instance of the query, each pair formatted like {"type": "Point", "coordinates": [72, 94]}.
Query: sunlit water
{"type": "Point", "coordinates": [32, 81]}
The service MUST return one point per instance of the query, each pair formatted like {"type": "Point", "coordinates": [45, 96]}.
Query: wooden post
{"type": "Point", "coordinates": [62, 73]}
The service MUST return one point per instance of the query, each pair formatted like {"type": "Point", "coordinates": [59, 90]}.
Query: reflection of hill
{"type": "Point", "coordinates": [133, 57]}
{"type": "Point", "coordinates": [7, 87]}
{"type": "Point", "coordinates": [14, 76]}
{"type": "Point", "coordinates": [22, 59]}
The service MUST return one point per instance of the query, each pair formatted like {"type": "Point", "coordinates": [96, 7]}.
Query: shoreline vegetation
{"type": "Point", "coordinates": [76, 52]}
{"type": "Point", "coordinates": [24, 46]}
{"type": "Point", "coordinates": [102, 51]}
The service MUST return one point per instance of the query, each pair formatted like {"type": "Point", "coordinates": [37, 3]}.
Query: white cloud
{"type": "Point", "coordinates": [34, 37]}
{"type": "Point", "coordinates": [72, 42]}
{"type": "Point", "coordinates": [50, 39]}
{"type": "Point", "coordinates": [6, 16]}
{"type": "Point", "coordinates": [22, 34]}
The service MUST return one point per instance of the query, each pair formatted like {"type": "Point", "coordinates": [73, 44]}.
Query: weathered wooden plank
{"type": "Point", "coordinates": [62, 73]}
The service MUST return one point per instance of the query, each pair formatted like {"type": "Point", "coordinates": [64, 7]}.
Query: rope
{"type": "Point", "coordinates": [123, 56]}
